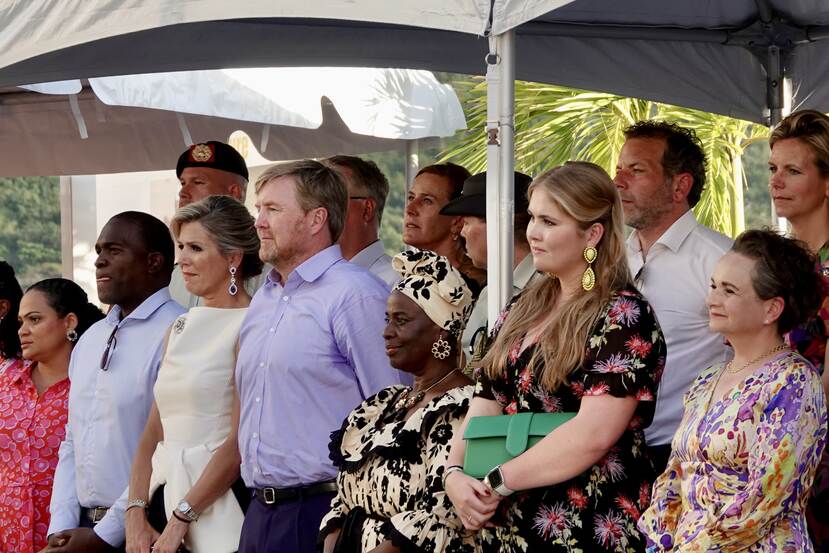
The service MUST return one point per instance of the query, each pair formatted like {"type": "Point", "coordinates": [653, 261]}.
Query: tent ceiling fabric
{"type": "Point", "coordinates": [688, 52]}
{"type": "Point", "coordinates": [34, 28]}
{"type": "Point", "coordinates": [134, 123]}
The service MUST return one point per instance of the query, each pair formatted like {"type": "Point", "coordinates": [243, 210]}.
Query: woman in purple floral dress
{"type": "Point", "coordinates": [584, 341]}
{"type": "Point", "coordinates": [799, 185]}
{"type": "Point", "coordinates": [746, 451]}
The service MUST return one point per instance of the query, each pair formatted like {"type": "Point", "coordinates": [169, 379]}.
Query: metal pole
{"type": "Point", "coordinates": [779, 96]}
{"type": "Point", "coordinates": [412, 162]}
{"type": "Point", "coordinates": [67, 260]}
{"type": "Point", "coordinates": [500, 167]}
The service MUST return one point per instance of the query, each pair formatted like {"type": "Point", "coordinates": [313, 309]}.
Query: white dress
{"type": "Point", "coordinates": [194, 395]}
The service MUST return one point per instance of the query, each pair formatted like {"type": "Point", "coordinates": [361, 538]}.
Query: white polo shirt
{"type": "Point", "coordinates": [675, 279]}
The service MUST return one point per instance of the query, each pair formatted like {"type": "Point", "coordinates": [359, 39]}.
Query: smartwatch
{"type": "Point", "coordinates": [187, 510]}
{"type": "Point", "coordinates": [495, 480]}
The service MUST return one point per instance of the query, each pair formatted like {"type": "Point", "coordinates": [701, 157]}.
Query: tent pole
{"type": "Point", "coordinates": [500, 167]}
{"type": "Point", "coordinates": [67, 259]}
{"type": "Point", "coordinates": [779, 97]}
{"type": "Point", "coordinates": [412, 162]}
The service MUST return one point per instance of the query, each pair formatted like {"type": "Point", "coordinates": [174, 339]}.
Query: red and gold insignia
{"type": "Point", "coordinates": [202, 153]}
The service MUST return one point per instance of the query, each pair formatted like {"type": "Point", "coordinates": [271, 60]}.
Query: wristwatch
{"type": "Point", "coordinates": [185, 509]}
{"type": "Point", "coordinates": [495, 480]}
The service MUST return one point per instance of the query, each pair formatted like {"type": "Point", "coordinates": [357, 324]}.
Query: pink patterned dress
{"type": "Point", "coordinates": [31, 430]}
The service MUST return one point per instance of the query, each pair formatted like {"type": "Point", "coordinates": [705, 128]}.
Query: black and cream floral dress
{"type": "Point", "coordinates": [595, 512]}
{"type": "Point", "coordinates": [391, 471]}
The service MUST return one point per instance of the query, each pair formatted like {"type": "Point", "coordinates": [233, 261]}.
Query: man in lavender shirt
{"type": "Point", "coordinates": [311, 349]}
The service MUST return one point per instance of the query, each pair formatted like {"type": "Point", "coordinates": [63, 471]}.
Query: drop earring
{"type": "Point", "coordinates": [232, 289]}
{"type": "Point", "coordinates": [588, 278]}
{"type": "Point", "coordinates": [441, 348]}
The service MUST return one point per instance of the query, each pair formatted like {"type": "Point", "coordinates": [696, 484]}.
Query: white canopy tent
{"type": "Point", "coordinates": [142, 122]}
{"type": "Point", "coordinates": [746, 58]}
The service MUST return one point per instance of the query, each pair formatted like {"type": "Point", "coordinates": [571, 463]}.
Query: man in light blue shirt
{"type": "Point", "coordinates": [112, 370]}
{"type": "Point", "coordinates": [311, 349]}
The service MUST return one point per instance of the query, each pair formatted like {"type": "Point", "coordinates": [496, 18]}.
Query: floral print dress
{"type": "Point", "coordinates": [31, 430]}
{"type": "Point", "coordinates": [391, 469]}
{"type": "Point", "coordinates": [810, 341]}
{"type": "Point", "coordinates": [740, 468]}
{"type": "Point", "coordinates": [595, 512]}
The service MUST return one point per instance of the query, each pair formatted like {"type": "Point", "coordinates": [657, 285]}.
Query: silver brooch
{"type": "Point", "coordinates": [179, 325]}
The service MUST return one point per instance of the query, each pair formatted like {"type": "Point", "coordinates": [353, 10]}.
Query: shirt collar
{"type": "Point", "coordinates": [144, 310]}
{"type": "Point", "coordinates": [18, 369]}
{"type": "Point", "coordinates": [671, 238]}
{"type": "Point", "coordinates": [369, 254]}
{"type": "Point", "coordinates": [523, 272]}
{"type": "Point", "coordinates": [313, 267]}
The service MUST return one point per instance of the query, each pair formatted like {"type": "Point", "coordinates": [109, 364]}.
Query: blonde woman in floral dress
{"type": "Point", "coordinates": [569, 343]}
{"type": "Point", "coordinates": [745, 454]}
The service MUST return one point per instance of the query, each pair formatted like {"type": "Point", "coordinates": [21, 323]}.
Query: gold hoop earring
{"type": "Point", "coordinates": [588, 279]}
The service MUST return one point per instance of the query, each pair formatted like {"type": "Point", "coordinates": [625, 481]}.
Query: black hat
{"type": "Point", "coordinates": [472, 201]}
{"type": "Point", "coordinates": [214, 154]}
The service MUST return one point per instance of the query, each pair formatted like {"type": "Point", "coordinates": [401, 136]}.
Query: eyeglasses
{"type": "Point", "coordinates": [111, 343]}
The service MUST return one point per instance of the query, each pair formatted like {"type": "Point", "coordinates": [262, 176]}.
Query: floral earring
{"type": "Point", "coordinates": [588, 278]}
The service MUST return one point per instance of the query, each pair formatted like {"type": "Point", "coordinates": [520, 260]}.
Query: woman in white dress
{"type": "Point", "coordinates": [188, 460]}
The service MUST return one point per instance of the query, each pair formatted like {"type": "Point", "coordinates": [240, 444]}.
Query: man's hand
{"type": "Point", "coordinates": [77, 540]}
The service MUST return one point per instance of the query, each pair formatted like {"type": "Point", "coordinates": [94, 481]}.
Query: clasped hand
{"type": "Point", "coordinates": [474, 501]}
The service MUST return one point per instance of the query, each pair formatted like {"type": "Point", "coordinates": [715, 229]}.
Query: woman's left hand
{"type": "Point", "coordinates": [171, 538]}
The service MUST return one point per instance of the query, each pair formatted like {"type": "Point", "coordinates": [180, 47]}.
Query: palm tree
{"type": "Point", "coordinates": [554, 124]}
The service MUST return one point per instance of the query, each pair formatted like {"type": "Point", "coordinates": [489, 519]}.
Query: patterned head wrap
{"type": "Point", "coordinates": [437, 287]}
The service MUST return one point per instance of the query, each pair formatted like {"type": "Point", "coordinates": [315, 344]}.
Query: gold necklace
{"type": "Point", "coordinates": [408, 402]}
{"type": "Point", "coordinates": [772, 351]}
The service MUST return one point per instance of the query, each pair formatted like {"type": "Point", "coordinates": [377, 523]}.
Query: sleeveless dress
{"type": "Point", "coordinates": [194, 395]}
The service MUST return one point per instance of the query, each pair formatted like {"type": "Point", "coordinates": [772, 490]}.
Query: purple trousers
{"type": "Point", "coordinates": [290, 527]}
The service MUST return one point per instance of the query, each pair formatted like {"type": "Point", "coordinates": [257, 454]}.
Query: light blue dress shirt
{"type": "Point", "coordinates": [107, 413]}
{"type": "Point", "coordinates": [310, 352]}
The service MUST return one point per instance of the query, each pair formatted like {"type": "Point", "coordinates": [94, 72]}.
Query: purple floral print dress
{"type": "Point", "coordinates": [595, 512]}
{"type": "Point", "coordinates": [810, 341]}
{"type": "Point", "coordinates": [740, 468]}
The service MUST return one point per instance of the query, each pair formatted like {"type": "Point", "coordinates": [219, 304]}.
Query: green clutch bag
{"type": "Point", "coordinates": [492, 441]}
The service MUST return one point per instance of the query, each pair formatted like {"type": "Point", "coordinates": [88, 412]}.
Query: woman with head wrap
{"type": "Point", "coordinates": [392, 449]}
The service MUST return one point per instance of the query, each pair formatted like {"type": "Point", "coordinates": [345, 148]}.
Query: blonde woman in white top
{"type": "Point", "coordinates": [187, 460]}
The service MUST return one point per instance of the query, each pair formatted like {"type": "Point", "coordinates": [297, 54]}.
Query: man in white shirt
{"type": "Point", "coordinates": [211, 168]}
{"type": "Point", "coordinates": [660, 176]}
{"type": "Point", "coordinates": [368, 189]}
{"type": "Point", "coordinates": [471, 205]}
{"type": "Point", "coordinates": [112, 369]}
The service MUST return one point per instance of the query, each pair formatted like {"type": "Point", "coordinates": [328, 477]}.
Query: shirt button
{"type": "Point", "coordinates": [255, 435]}
{"type": "Point", "coordinates": [271, 329]}
{"type": "Point", "coordinates": [285, 298]}
{"type": "Point", "coordinates": [258, 399]}
{"type": "Point", "coordinates": [261, 364]}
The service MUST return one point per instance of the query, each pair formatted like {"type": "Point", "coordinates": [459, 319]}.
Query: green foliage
{"type": "Point", "coordinates": [757, 199]}
{"type": "Point", "coordinates": [554, 124]}
{"type": "Point", "coordinates": [30, 227]}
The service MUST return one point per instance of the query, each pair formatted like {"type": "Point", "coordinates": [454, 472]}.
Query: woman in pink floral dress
{"type": "Point", "coordinates": [34, 393]}
{"type": "Point", "coordinates": [583, 341]}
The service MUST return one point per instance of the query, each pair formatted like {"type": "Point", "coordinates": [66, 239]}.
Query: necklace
{"type": "Point", "coordinates": [407, 402]}
{"type": "Point", "coordinates": [772, 351]}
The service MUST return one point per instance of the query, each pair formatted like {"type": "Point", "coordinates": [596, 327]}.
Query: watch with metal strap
{"type": "Point", "coordinates": [187, 510]}
{"type": "Point", "coordinates": [495, 480]}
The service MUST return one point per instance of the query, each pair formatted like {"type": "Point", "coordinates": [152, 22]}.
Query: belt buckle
{"type": "Point", "coordinates": [269, 496]}
{"type": "Point", "coordinates": [98, 514]}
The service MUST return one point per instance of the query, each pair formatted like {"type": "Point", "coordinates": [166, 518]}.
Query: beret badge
{"type": "Point", "coordinates": [202, 153]}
